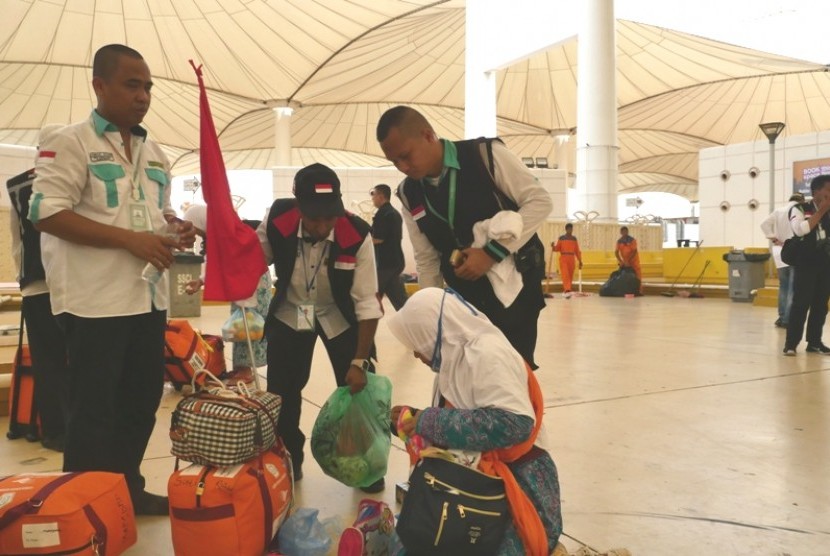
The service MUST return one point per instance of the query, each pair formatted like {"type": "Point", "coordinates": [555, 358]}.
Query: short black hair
{"type": "Point", "coordinates": [384, 190]}
{"type": "Point", "coordinates": [569, 226]}
{"type": "Point", "coordinates": [819, 182]}
{"type": "Point", "coordinates": [402, 117]}
{"type": "Point", "coordinates": [624, 229]}
{"type": "Point", "coordinates": [106, 59]}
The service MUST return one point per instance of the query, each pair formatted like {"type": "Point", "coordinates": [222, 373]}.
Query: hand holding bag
{"type": "Point", "coordinates": [218, 426]}
{"type": "Point", "coordinates": [452, 509]}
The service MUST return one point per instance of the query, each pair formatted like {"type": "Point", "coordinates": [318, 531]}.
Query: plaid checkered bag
{"type": "Point", "coordinates": [218, 426]}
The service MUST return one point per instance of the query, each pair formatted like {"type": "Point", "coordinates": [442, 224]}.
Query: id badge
{"type": "Point", "coordinates": [139, 218]}
{"type": "Point", "coordinates": [305, 317]}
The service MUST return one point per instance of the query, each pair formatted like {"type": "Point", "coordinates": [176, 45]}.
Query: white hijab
{"type": "Point", "coordinates": [478, 366]}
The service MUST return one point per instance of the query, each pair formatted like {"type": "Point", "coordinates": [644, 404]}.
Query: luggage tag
{"type": "Point", "coordinates": [139, 217]}
{"type": "Point", "coordinates": [305, 317]}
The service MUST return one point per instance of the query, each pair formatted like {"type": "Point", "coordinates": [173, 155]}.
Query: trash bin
{"type": "Point", "coordinates": [746, 273]}
{"type": "Point", "coordinates": [186, 267]}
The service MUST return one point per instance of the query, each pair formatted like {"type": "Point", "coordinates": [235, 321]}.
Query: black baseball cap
{"type": "Point", "coordinates": [317, 189]}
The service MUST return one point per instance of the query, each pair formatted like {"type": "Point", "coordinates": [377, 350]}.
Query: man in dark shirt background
{"type": "Point", "coordinates": [387, 232]}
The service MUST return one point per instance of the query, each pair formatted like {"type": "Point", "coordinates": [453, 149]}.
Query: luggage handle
{"type": "Point", "coordinates": [33, 504]}
{"type": "Point", "coordinates": [225, 392]}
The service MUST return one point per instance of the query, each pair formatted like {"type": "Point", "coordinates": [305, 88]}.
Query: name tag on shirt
{"type": "Point", "coordinates": [139, 218]}
{"type": "Point", "coordinates": [305, 317]}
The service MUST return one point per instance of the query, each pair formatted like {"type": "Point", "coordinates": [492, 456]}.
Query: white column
{"type": "Point", "coordinates": [282, 135]}
{"type": "Point", "coordinates": [479, 84]}
{"type": "Point", "coordinates": [596, 135]}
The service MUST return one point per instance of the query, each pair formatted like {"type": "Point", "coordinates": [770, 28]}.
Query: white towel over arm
{"type": "Point", "coordinates": [505, 279]}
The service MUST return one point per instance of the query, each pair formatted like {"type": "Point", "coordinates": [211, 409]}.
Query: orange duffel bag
{"type": "Point", "coordinates": [230, 510]}
{"type": "Point", "coordinates": [87, 513]}
{"type": "Point", "coordinates": [185, 352]}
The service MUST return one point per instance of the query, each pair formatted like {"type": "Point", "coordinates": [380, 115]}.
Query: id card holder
{"type": "Point", "coordinates": [305, 317]}
{"type": "Point", "coordinates": [139, 218]}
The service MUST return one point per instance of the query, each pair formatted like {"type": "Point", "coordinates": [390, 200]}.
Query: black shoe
{"type": "Point", "coordinates": [56, 443]}
{"type": "Point", "coordinates": [780, 324]}
{"type": "Point", "coordinates": [375, 487]}
{"type": "Point", "coordinates": [145, 503]}
{"type": "Point", "coordinates": [819, 348]}
{"type": "Point", "coordinates": [789, 352]}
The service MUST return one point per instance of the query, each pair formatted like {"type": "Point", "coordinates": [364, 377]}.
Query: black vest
{"type": "Point", "coordinates": [31, 266]}
{"type": "Point", "coordinates": [349, 234]}
{"type": "Point", "coordinates": [477, 198]}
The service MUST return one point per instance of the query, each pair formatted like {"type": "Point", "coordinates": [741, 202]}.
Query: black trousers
{"type": "Point", "coordinates": [391, 285]}
{"type": "Point", "coordinates": [811, 291]}
{"type": "Point", "coordinates": [117, 376]}
{"type": "Point", "coordinates": [289, 367]}
{"type": "Point", "coordinates": [519, 321]}
{"type": "Point", "coordinates": [49, 366]}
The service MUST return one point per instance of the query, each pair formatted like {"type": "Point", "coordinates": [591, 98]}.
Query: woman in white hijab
{"type": "Point", "coordinates": [481, 400]}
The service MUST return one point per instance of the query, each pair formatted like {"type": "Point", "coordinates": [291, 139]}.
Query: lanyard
{"type": "Point", "coordinates": [138, 194]}
{"type": "Point", "coordinates": [310, 284]}
{"type": "Point", "coordinates": [135, 179]}
{"type": "Point", "coordinates": [450, 219]}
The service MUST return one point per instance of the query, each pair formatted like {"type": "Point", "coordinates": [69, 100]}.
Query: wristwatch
{"type": "Point", "coordinates": [363, 364]}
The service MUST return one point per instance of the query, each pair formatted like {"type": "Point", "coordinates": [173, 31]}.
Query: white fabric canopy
{"type": "Point", "coordinates": [341, 63]}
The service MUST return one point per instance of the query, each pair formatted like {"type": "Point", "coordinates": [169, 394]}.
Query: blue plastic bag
{"type": "Point", "coordinates": [303, 534]}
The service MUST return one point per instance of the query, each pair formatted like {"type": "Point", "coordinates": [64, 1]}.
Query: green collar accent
{"type": "Point", "coordinates": [102, 125]}
{"type": "Point", "coordinates": [450, 155]}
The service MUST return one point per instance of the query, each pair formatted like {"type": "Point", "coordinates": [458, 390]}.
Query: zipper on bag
{"type": "Point", "coordinates": [432, 481]}
{"type": "Point", "coordinates": [462, 509]}
{"type": "Point", "coordinates": [441, 525]}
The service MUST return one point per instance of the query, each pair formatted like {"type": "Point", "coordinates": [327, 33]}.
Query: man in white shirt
{"type": "Point", "coordinates": [451, 186]}
{"type": "Point", "coordinates": [102, 200]}
{"type": "Point", "coordinates": [776, 227]}
{"type": "Point", "coordinates": [326, 287]}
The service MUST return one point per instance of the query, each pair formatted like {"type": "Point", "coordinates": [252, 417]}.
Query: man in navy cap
{"type": "Point", "coordinates": [326, 287]}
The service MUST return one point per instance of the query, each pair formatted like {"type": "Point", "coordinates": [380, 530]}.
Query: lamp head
{"type": "Point", "coordinates": [772, 130]}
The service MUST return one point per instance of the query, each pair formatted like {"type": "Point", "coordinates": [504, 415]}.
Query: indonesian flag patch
{"type": "Point", "coordinates": [345, 262]}
{"type": "Point", "coordinates": [323, 188]}
{"type": "Point", "coordinates": [418, 212]}
{"type": "Point", "coordinates": [46, 157]}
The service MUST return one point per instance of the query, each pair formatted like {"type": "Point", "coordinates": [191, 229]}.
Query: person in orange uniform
{"type": "Point", "coordinates": [627, 254]}
{"type": "Point", "coordinates": [568, 248]}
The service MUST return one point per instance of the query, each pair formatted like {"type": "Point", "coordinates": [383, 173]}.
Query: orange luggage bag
{"type": "Point", "coordinates": [186, 351]}
{"type": "Point", "coordinates": [24, 419]}
{"type": "Point", "coordinates": [230, 510]}
{"type": "Point", "coordinates": [87, 513]}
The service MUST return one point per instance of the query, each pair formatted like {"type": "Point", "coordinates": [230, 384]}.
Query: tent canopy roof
{"type": "Point", "coordinates": [341, 64]}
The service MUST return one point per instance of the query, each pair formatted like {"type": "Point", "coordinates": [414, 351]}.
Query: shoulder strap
{"type": "Point", "coordinates": [489, 163]}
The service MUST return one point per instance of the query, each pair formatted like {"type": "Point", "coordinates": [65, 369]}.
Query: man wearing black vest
{"type": "Point", "coordinates": [46, 342]}
{"type": "Point", "coordinates": [326, 287]}
{"type": "Point", "coordinates": [811, 289]}
{"type": "Point", "coordinates": [451, 186]}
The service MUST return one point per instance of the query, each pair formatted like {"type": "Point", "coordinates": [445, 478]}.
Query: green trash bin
{"type": "Point", "coordinates": [186, 267]}
{"type": "Point", "coordinates": [746, 273]}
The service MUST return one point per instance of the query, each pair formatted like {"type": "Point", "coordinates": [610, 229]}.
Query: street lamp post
{"type": "Point", "coordinates": [772, 130]}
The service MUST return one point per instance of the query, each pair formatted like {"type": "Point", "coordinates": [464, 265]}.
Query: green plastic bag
{"type": "Point", "coordinates": [351, 438]}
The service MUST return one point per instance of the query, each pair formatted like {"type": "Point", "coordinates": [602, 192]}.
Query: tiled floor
{"type": "Point", "coordinates": [677, 426]}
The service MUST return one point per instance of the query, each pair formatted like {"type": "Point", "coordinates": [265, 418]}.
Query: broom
{"type": "Point", "coordinates": [671, 292]}
{"type": "Point", "coordinates": [696, 284]}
